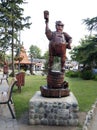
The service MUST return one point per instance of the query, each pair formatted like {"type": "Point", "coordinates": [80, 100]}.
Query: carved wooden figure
{"type": "Point", "coordinates": [58, 41]}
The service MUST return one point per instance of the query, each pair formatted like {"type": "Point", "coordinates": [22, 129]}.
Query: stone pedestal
{"type": "Point", "coordinates": [53, 111]}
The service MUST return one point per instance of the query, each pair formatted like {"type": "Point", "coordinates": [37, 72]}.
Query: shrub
{"type": "Point", "coordinates": [72, 74]}
{"type": "Point", "coordinates": [86, 74]}
{"type": "Point", "coordinates": [95, 77]}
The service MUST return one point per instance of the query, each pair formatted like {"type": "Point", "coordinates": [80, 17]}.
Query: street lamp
{"type": "Point", "coordinates": [31, 63]}
{"type": "Point", "coordinates": [19, 35]}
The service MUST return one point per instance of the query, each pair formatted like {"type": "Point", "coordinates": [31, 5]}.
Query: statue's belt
{"type": "Point", "coordinates": [58, 43]}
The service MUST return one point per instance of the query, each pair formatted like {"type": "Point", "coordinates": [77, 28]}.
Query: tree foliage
{"type": "Point", "coordinates": [35, 51]}
{"type": "Point", "coordinates": [11, 21]}
{"type": "Point", "coordinates": [91, 24]}
{"type": "Point", "coordinates": [86, 52]}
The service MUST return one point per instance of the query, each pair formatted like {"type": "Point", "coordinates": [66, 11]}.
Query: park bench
{"type": "Point", "coordinates": [8, 99]}
{"type": "Point", "coordinates": [20, 80]}
{"type": "Point", "coordinates": [3, 78]}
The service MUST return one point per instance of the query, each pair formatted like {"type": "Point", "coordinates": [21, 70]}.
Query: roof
{"type": "Point", "coordinates": [25, 59]}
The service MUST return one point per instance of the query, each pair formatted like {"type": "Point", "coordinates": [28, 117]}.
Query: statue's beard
{"type": "Point", "coordinates": [59, 30]}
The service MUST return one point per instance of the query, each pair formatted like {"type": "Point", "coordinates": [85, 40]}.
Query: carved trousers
{"type": "Point", "coordinates": [57, 50]}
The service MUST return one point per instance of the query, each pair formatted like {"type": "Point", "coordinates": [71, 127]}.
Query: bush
{"type": "Point", "coordinates": [72, 74]}
{"type": "Point", "coordinates": [95, 77]}
{"type": "Point", "coordinates": [86, 74]}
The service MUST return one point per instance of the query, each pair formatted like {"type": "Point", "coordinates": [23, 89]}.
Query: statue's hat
{"type": "Point", "coordinates": [59, 23]}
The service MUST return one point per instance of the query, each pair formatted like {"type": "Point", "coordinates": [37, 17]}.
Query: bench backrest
{"type": "Point", "coordinates": [10, 89]}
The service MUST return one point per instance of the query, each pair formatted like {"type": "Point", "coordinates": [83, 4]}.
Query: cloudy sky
{"type": "Point", "coordinates": [70, 12]}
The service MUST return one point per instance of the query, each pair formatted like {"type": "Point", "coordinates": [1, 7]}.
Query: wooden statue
{"type": "Point", "coordinates": [59, 41]}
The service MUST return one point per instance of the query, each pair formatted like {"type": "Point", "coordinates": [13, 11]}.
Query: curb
{"type": "Point", "coordinates": [89, 116]}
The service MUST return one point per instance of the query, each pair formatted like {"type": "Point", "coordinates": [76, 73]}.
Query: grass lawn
{"type": "Point", "coordinates": [84, 90]}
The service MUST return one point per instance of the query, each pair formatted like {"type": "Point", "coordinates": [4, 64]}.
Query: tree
{"type": "Point", "coordinates": [1, 57]}
{"type": "Point", "coordinates": [11, 21]}
{"type": "Point", "coordinates": [91, 24]}
{"type": "Point", "coordinates": [35, 51]}
{"type": "Point", "coordinates": [86, 52]}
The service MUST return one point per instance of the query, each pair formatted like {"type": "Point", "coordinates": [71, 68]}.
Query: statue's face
{"type": "Point", "coordinates": [59, 27]}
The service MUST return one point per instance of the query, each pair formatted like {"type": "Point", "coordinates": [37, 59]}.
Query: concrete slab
{"type": "Point", "coordinates": [69, 99]}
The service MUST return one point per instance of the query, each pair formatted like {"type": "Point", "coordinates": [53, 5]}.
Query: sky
{"type": "Point", "coordinates": [70, 12]}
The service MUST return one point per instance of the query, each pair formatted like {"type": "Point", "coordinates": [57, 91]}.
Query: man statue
{"type": "Point", "coordinates": [59, 41]}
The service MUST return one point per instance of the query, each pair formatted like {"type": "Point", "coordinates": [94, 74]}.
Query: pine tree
{"type": "Point", "coordinates": [11, 21]}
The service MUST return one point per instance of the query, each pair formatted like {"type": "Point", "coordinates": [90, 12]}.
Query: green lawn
{"type": "Point", "coordinates": [84, 90]}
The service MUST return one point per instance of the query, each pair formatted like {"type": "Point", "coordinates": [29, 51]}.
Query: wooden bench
{"type": "Point", "coordinates": [20, 80]}
{"type": "Point", "coordinates": [8, 100]}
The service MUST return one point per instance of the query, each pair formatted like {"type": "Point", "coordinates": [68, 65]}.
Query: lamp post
{"type": "Point", "coordinates": [13, 46]}
{"type": "Point", "coordinates": [31, 63]}
{"type": "Point", "coordinates": [19, 49]}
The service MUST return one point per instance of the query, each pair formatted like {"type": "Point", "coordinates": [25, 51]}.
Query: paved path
{"type": "Point", "coordinates": [93, 123]}
{"type": "Point", "coordinates": [6, 120]}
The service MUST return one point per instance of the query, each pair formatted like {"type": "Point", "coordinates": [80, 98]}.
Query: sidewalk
{"type": "Point", "coordinates": [93, 123]}
{"type": "Point", "coordinates": [6, 120]}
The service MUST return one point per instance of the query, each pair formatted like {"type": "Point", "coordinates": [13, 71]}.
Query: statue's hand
{"type": "Point", "coordinates": [68, 46]}
{"type": "Point", "coordinates": [46, 16]}
{"type": "Point", "coordinates": [46, 20]}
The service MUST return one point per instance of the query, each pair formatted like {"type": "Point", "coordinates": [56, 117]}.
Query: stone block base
{"type": "Point", "coordinates": [53, 111]}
